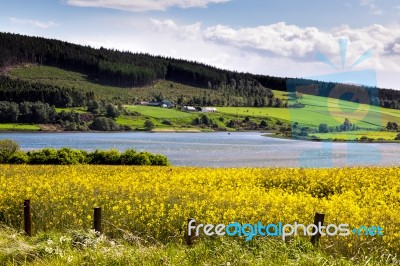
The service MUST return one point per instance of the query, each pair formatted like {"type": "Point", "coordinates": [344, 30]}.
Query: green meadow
{"type": "Point", "coordinates": [319, 110]}
{"type": "Point", "coordinates": [18, 127]}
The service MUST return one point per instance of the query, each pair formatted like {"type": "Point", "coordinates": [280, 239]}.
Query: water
{"type": "Point", "coordinates": [239, 149]}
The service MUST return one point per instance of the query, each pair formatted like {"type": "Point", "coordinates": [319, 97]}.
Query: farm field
{"type": "Point", "coordinates": [158, 112]}
{"type": "Point", "coordinates": [319, 110]}
{"type": "Point", "coordinates": [180, 120]}
{"type": "Point", "coordinates": [145, 210]}
{"type": "Point", "coordinates": [137, 123]}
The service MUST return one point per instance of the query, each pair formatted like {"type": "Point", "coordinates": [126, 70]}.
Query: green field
{"type": "Point", "coordinates": [363, 115]}
{"type": "Point", "coordinates": [69, 109]}
{"type": "Point", "coordinates": [158, 112]}
{"type": "Point", "coordinates": [18, 127]}
{"type": "Point", "coordinates": [319, 110]}
{"type": "Point", "coordinates": [356, 135]}
{"type": "Point", "coordinates": [181, 121]}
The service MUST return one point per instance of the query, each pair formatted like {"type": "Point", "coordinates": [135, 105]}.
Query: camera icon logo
{"type": "Point", "coordinates": [348, 102]}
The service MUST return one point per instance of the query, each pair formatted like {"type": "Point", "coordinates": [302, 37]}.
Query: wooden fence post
{"type": "Point", "coordinates": [189, 238]}
{"type": "Point", "coordinates": [318, 220]}
{"type": "Point", "coordinates": [97, 220]}
{"type": "Point", "coordinates": [27, 218]}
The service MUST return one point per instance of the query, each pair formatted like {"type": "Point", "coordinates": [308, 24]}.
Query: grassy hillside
{"type": "Point", "coordinates": [64, 78]}
{"type": "Point", "coordinates": [319, 110]}
{"type": "Point", "coordinates": [70, 79]}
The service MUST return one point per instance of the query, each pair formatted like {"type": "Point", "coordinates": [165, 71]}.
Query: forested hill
{"type": "Point", "coordinates": [126, 69]}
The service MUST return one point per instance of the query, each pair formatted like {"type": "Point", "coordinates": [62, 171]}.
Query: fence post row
{"type": "Point", "coordinates": [189, 238]}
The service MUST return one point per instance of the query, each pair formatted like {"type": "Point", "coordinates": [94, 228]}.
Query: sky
{"type": "Point", "coordinates": [286, 38]}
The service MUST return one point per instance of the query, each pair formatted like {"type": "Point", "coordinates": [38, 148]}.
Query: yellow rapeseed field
{"type": "Point", "coordinates": [155, 202]}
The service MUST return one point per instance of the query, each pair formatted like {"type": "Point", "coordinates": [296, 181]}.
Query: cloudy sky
{"type": "Point", "coordinates": [283, 38]}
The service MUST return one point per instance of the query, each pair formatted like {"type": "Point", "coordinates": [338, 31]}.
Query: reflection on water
{"type": "Point", "coordinates": [242, 149]}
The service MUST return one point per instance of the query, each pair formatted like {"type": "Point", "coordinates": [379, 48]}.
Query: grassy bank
{"type": "Point", "coordinates": [84, 248]}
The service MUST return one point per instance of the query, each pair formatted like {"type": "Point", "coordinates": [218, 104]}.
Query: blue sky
{"type": "Point", "coordinates": [268, 37]}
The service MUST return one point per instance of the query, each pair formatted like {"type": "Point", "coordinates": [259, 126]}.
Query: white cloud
{"type": "Point", "coordinates": [396, 48]}
{"type": "Point", "coordinates": [302, 44]}
{"type": "Point", "coordinates": [276, 49]}
{"type": "Point", "coordinates": [185, 32]}
{"type": "Point", "coordinates": [144, 5]}
{"type": "Point", "coordinates": [277, 39]}
{"type": "Point", "coordinates": [34, 23]}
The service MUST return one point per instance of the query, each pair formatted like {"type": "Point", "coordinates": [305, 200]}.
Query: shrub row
{"type": "Point", "coordinates": [67, 156]}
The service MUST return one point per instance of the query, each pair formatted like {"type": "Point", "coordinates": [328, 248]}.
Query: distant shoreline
{"type": "Point", "coordinates": [264, 134]}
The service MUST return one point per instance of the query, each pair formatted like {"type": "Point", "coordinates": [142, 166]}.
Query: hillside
{"type": "Point", "coordinates": [319, 110]}
{"type": "Point", "coordinates": [370, 119]}
{"type": "Point", "coordinates": [128, 70]}
{"type": "Point", "coordinates": [53, 85]}
{"type": "Point", "coordinates": [159, 89]}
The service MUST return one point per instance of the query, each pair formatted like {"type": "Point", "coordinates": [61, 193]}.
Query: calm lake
{"type": "Point", "coordinates": [242, 149]}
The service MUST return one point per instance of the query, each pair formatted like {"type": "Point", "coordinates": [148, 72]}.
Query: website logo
{"type": "Point", "coordinates": [249, 231]}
